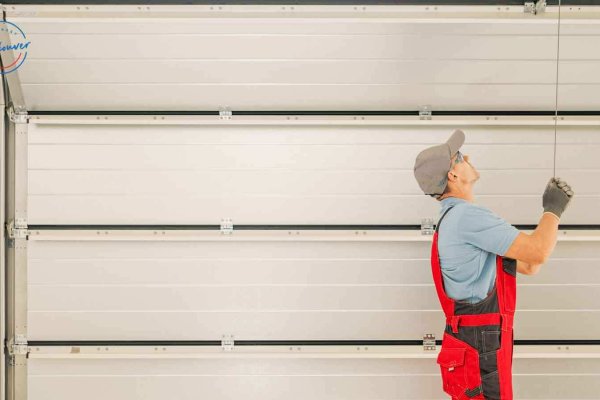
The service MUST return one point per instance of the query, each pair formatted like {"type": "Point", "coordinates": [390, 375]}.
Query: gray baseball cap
{"type": "Point", "coordinates": [433, 163]}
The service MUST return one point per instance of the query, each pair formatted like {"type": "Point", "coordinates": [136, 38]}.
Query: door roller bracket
{"type": "Point", "coordinates": [226, 226]}
{"type": "Point", "coordinates": [429, 342]}
{"type": "Point", "coordinates": [227, 342]}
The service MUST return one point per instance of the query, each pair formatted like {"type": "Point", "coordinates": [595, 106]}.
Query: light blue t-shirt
{"type": "Point", "coordinates": [469, 238]}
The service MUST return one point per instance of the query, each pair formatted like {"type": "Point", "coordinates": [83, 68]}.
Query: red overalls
{"type": "Point", "coordinates": [477, 347]}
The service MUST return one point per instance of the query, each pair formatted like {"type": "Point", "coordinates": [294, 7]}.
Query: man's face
{"type": "Point", "coordinates": [466, 173]}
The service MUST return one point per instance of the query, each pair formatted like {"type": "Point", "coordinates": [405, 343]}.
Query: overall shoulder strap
{"type": "Point", "coordinates": [440, 221]}
{"type": "Point", "coordinates": [436, 269]}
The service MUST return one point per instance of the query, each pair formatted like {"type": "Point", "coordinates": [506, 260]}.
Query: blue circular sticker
{"type": "Point", "coordinates": [19, 45]}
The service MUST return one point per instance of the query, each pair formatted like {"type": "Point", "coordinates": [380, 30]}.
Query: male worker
{"type": "Point", "coordinates": [474, 263]}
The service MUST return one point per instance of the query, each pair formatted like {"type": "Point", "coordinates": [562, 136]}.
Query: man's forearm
{"type": "Point", "coordinates": [545, 234]}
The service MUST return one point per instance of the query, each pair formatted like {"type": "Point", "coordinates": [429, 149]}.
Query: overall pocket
{"type": "Point", "coordinates": [452, 365]}
{"type": "Point", "coordinates": [490, 382]}
{"type": "Point", "coordinates": [491, 386]}
{"type": "Point", "coordinates": [459, 364]}
{"type": "Point", "coordinates": [490, 341]}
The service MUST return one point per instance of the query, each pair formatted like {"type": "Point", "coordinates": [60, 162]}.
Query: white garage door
{"type": "Point", "coordinates": [324, 286]}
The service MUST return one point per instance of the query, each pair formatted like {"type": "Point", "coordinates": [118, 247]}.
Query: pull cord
{"type": "Point", "coordinates": [556, 92]}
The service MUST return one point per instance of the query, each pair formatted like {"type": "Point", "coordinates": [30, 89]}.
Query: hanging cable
{"type": "Point", "coordinates": [556, 94]}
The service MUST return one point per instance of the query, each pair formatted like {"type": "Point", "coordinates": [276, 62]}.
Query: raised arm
{"type": "Point", "coordinates": [533, 250]}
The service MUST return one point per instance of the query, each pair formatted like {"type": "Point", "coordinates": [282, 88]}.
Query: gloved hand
{"type": "Point", "coordinates": [557, 196]}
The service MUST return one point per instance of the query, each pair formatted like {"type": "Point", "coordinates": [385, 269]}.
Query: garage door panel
{"type": "Point", "coordinates": [292, 379]}
{"type": "Point", "coordinates": [331, 25]}
{"type": "Point", "coordinates": [284, 298]}
{"type": "Point", "coordinates": [295, 210]}
{"type": "Point", "coordinates": [195, 290]}
{"type": "Point", "coordinates": [248, 97]}
{"type": "Point", "coordinates": [241, 182]}
{"type": "Point", "coordinates": [217, 387]}
{"type": "Point", "coordinates": [118, 255]}
{"type": "Point", "coordinates": [247, 46]}
{"type": "Point", "coordinates": [289, 174]}
{"type": "Point", "coordinates": [581, 271]}
{"type": "Point", "coordinates": [199, 271]}
{"type": "Point", "coordinates": [569, 156]}
{"type": "Point", "coordinates": [348, 71]}
{"type": "Point", "coordinates": [307, 325]}
{"type": "Point", "coordinates": [282, 271]}
{"type": "Point", "coordinates": [331, 131]}
{"type": "Point", "coordinates": [236, 365]}
{"type": "Point", "coordinates": [220, 250]}
{"type": "Point", "coordinates": [490, 48]}
{"type": "Point", "coordinates": [340, 156]}
{"type": "Point", "coordinates": [492, 43]}
{"type": "Point", "coordinates": [577, 251]}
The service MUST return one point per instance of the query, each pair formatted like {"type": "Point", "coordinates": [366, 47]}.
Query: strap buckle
{"type": "Point", "coordinates": [507, 324]}
{"type": "Point", "coordinates": [453, 322]}
{"type": "Point", "coordinates": [470, 393]}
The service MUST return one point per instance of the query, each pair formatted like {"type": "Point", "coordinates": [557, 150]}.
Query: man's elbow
{"type": "Point", "coordinates": [534, 266]}
{"type": "Point", "coordinates": [545, 256]}
{"type": "Point", "coordinates": [533, 259]}
{"type": "Point", "coordinates": [533, 269]}
{"type": "Point", "coordinates": [538, 259]}
{"type": "Point", "coordinates": [527, 269]}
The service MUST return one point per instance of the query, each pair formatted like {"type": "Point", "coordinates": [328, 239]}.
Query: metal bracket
{"type": "Point", "coordinates": [227, 343]}
{"type": "Point", "coordinates": [17, 229]}
{"type": "Point", "coordinates": [540, 6]}
{"type": "Point", "coordinates": [529, 7]}
{"type": "Point", "coordinates": [427, 226]}
{"type": "Point", "coordinates": [535, 7]}
{"type": "Point", "coordinates": [429, 342]}
{"type": "Point", "coordinates": [18, 346]}
{"type": "Point", "coordinates": [18, 115]}
{"type": "Point", "coordinates": [226, 226]}
{"type": "Point", "coordinates": [425, 113]}
{"type": "Point", "coordinates": [225, 114]}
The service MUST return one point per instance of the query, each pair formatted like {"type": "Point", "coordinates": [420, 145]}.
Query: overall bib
{"type": "Point", "coordinates": [477, 346]}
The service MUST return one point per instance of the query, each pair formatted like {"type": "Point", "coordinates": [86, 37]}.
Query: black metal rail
{"type": "Point", "coordinates": [304, 2]}
{"type": "Point", "coordinates": [326, 113]}
{"type": "Point", "coordinates": [271, 227]}
{"type": "Point", "coordinates": [41, 343]}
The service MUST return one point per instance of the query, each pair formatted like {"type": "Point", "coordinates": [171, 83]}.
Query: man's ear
{"type": "Point", "coordinates": [451, 176]}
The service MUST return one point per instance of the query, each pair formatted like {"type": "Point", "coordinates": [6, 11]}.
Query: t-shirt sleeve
{"type": "Point", "coordinates": [482, 228]}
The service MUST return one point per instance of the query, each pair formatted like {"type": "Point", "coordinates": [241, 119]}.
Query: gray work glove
{"type": "Point", "coordinates": [557, 196]}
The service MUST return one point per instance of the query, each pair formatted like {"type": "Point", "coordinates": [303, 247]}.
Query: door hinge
{"type": "Point", "coordinates": [17, 229]}
{"type": "Point", "coordinates": [429, 342]}
{"type": "Point", "coordinates": [425, 113]}
{"type": "Point", "coordinates": [225, 114]}
{"type": "Point", "coordinates": [427, 226]}
{"type": "Point", "coordinates": [535, 7]}
{"type": "Point", "coordinates": [17, 115]}
{"type": "Point", "coordinates": [18, 346]}
{"type": "Point", "coordinates": [227, 343]}
{"type": "Point", "coordinates": [226, 226]}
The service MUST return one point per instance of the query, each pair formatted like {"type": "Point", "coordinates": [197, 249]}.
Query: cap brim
{"type": "Point", "coordinates": [456, 141]}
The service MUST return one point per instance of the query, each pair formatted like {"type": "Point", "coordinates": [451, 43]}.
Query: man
{"type": "Point", "coordinates": [474, 262]}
